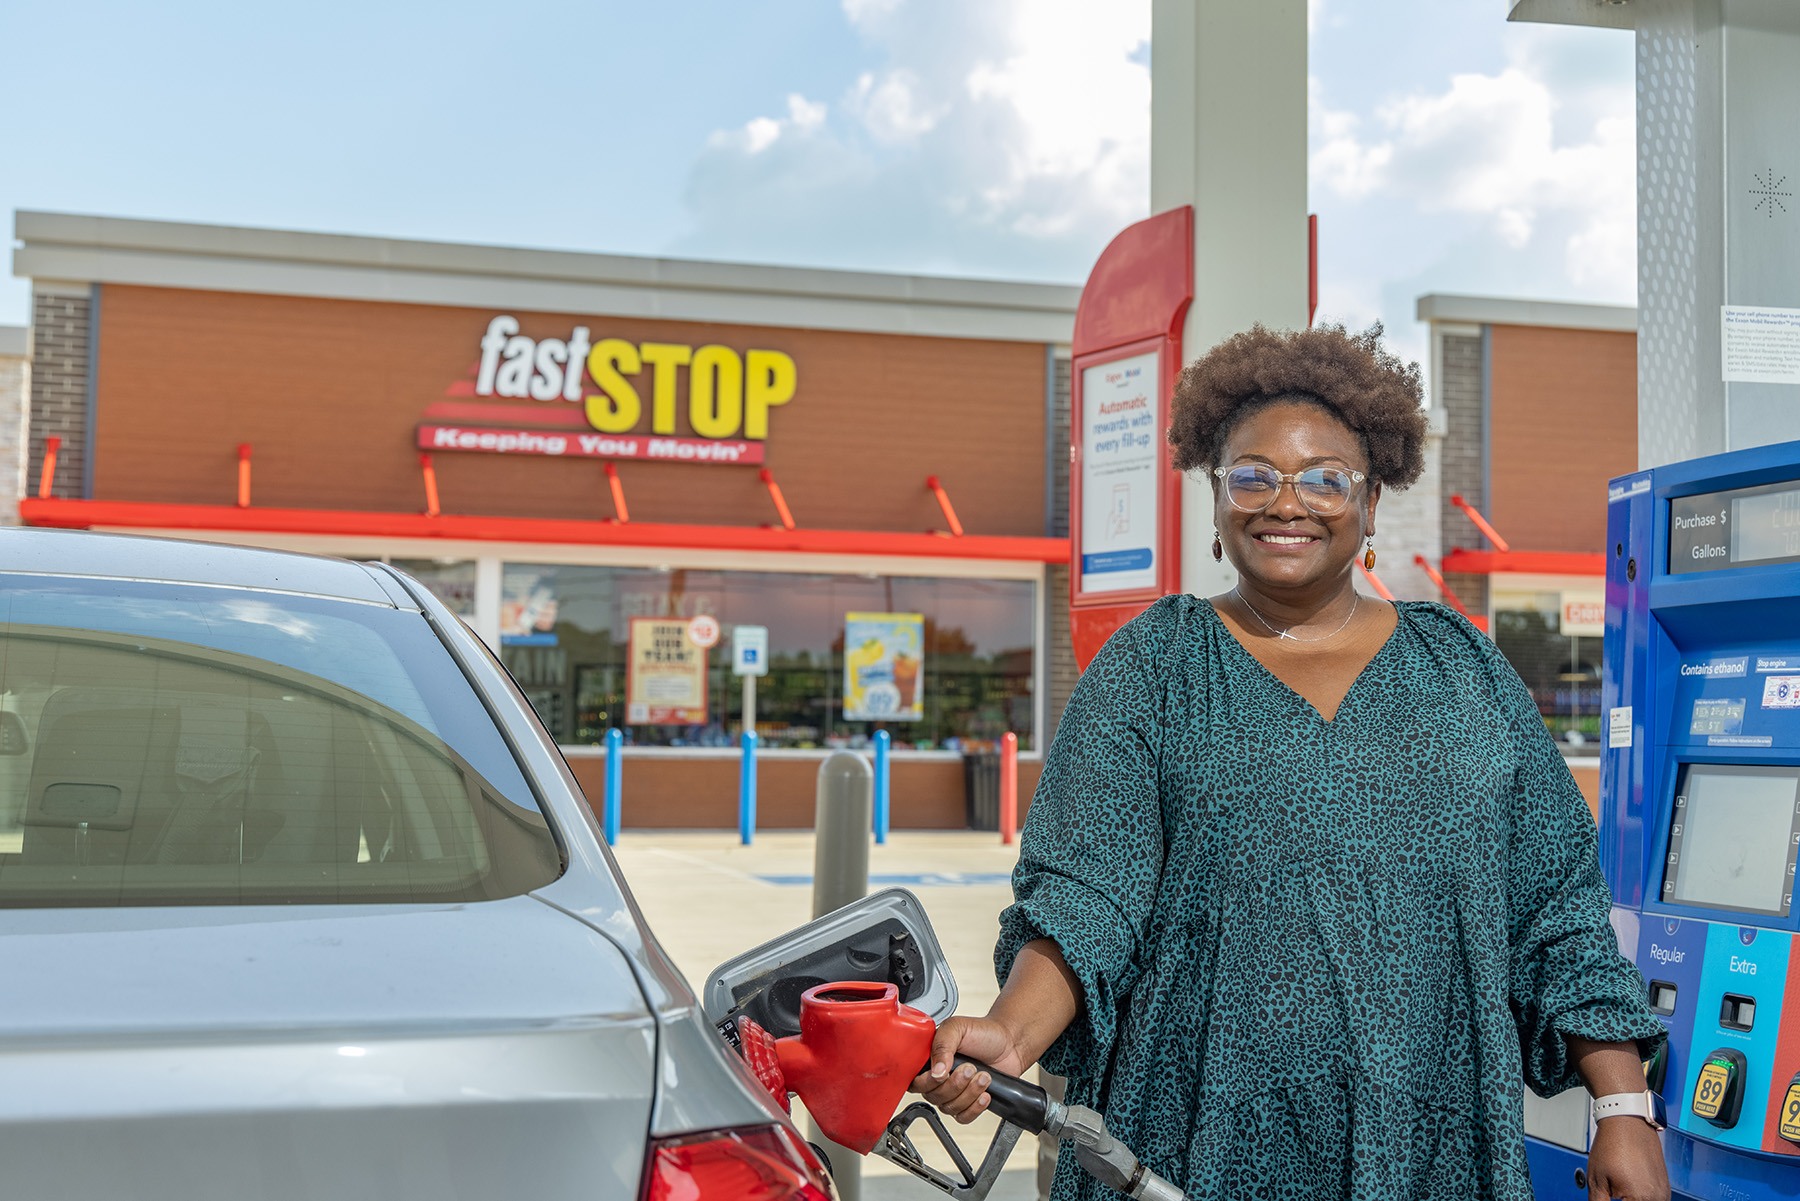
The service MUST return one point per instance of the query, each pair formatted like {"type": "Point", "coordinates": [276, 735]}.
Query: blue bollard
{"type": "Point", "coordinates": [615, 747]}
{"type": "Point", "coordinates": [747, 789]}
{"type": "Point", "coordinates": [882, 740]}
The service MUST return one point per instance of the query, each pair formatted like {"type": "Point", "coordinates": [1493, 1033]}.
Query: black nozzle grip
{"type": "Point", "coordinates": [1018, 1101]}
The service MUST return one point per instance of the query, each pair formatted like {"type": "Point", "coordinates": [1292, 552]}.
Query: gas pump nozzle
{"type": "Point", "coordinates": [857, 1051]}
{"type": "Point", "coordinates": [1023, 1107]}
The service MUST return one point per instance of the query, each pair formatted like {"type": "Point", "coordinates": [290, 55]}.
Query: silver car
{"type": "Point", "coordinates": [298, 900]}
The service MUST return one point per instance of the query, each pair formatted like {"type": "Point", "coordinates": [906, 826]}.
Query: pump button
{"type": "Point", "coordinates": [1737, 1012]}
{"type": "Point", "coordinates": [1719, 1092]}
{"type": "Point", "coordinates": [1790, 1111]}
{"type": "Point", "coordinates": [1662, 996]}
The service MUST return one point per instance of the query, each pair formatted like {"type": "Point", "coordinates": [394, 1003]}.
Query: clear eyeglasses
{"type": "Point", "coordinates": [1253, 487]}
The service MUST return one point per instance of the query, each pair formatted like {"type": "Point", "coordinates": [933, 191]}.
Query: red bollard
{"type": "Point", "coordinates": [1009, 788]}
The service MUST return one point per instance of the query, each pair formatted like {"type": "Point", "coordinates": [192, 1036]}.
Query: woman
{"type": "Point", "coordinates": [1306, 894]}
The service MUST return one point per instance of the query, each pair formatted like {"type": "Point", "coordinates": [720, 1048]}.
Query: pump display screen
{"type": "Point", "coordinates": [1733, 838]}
{"type": "Point", "coordinates": [1743, 526]}
{"type": "Point", "coordinates": [1766, 526]}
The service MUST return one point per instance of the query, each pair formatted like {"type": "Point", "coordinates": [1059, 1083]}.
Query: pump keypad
{"type": "Point", "coordinates": [1719, 1092]}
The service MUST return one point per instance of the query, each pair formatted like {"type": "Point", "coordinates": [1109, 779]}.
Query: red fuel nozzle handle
{"type": "Point", "coordinates": [1013, 1100]}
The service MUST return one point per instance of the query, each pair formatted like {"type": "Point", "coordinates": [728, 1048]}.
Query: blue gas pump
{"type": "Point", "coordinates": [1700, 808]}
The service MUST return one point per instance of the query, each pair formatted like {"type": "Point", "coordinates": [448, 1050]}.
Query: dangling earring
{"type": "Point", "coordinates": [1369, 555]}
{"type": "Point", "coordinates": [1218, 548]}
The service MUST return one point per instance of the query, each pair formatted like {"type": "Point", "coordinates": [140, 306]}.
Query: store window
{"type": "Point", "coordinates": [940, 663]}
{"type": "Point", "coordinates": [450, 580]}
{"type": "Point", "coordinates": [1553, 640]}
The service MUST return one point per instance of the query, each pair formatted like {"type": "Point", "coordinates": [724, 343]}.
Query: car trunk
{"type": "Point", "coordinates": [485, 1050]}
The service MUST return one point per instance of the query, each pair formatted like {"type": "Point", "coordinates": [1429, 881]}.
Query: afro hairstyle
{"type": "Point", "coordinates": [1352, 376]}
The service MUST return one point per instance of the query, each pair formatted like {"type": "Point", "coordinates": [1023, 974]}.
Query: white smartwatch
{"type": "Point", "coordinates": [1634, 1105]}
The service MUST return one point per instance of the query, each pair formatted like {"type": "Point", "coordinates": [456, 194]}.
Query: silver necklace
{"type": "Point", "coordinates": [1355, 600]}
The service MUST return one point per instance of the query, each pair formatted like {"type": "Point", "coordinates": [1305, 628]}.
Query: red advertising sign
{"type": "Point", "coordinates": [576, 445]}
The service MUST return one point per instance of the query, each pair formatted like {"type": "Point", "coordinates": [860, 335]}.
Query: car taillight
{"type": "Point", "coordinates": [761, 1163]}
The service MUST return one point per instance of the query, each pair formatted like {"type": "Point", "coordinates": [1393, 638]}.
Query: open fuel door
{"type": "Point", "coordinates": [885, 938]}
{"type": "Point", "coordinates": [841, 1013]}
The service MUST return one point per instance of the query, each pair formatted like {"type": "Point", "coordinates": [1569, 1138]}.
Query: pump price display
{"type": "Point", "coordinates": [1743, 526]}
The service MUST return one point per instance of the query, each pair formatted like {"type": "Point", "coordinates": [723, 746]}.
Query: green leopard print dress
{"type": "Point", "coordinates": [1321, 959]}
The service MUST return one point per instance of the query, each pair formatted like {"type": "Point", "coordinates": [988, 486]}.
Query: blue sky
{"type": "Point", "coordinates": [1005, 138]}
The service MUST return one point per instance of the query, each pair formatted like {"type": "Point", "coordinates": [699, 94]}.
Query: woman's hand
{"type": "Point", "coordinates": [1626, 1160]}
{"type": "Point", "coordinates": [961, 1091]}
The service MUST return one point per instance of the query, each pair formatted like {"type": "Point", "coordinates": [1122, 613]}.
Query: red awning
{"type": "Point", "coordinates": [113, 514]}
{"type": "Point", "coordinates": [1523, 562]}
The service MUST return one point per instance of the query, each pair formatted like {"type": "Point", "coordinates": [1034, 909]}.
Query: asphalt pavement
{"type": "Point", "coordinates": [708, 898]}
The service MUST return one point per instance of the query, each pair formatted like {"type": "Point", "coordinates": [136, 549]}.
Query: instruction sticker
{"type": "Point", "coordinates": [1618, 727]}
{"type": "Point", "coordinates": [1759, 344]}
{"type": "Point", "coordinates": [1781, 692]}
{"type": "Point", "coordinates": [1717, 715]}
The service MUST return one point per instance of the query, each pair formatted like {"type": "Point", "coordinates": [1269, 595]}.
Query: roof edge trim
{"type": "Point", "coordinates": [1553, 314]}
{"type": "Point", "coordinates": [354, 267]}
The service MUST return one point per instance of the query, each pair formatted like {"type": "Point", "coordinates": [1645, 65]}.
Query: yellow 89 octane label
{"type": "Point", "coordinates": [1709, 1093]}
{"type": "Point", "coordinates": [1790, 1114]}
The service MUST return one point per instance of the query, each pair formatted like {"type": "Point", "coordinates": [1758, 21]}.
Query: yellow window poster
{"type": "Point", "coordinates": [882, 655]}
{"type": "Point", "coordinates": [665, 681]}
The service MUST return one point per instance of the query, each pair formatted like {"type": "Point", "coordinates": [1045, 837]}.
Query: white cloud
{"type": "Point", "coordinates": [865, 11]}
{"type": "Point", "coordinates": [891, 107]}
{"type": "Point", "coordinates": [1011, 138]}
{"type": "Point", "coordinates": [759, 133]}
{"type": "Point", "coordinates": [1488, 147]}
{"type": "Point", "coordinates": [1007, 137]}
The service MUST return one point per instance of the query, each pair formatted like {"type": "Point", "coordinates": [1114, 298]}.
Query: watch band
{"type": "Point", "coordinates": [1635, 1105]}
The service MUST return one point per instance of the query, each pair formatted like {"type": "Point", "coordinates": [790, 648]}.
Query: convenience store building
{"type": "Point", "coordinates": [603, 463]}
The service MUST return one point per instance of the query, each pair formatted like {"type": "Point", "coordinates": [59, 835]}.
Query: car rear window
{"type": "Point", "coordinates": [182, 745]}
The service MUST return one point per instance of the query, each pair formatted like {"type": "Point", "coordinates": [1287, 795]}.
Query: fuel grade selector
{"type": "Point", "coordinates": [1719, 1092]}
{"type": "Point", "coordinates": [1789, 1126]}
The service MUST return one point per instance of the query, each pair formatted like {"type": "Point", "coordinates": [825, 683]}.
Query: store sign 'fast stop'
{"type": "Point", "coordinates": [612, 398]}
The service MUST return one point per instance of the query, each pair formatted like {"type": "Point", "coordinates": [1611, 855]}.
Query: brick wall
{"type": "Point", "coordinates": [15, 376]}
{"type": "Point", "coordinates": [1463, 393]}
{"type": "Point", "coordinates": [329, 394]}
{"type": "Point", "coordinates": [1060, 651]}
{"type": "Point", "coordinates": [669, 794]}
{"type": "Point", "coordinates": [1548, 488]}
{"type": "Point", "coordinates": [1410, 523]}
{"type": "Point", "coordinates": [60, 327]}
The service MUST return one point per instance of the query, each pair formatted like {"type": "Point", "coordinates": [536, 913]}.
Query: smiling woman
{"type": "Point", "coordinates": [1306, 891]}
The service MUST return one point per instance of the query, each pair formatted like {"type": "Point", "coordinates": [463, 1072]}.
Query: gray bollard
{"type": "Point", "coordinates": [843, 811]}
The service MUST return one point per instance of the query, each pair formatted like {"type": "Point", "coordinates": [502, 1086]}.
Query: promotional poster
{"type": "Point", "coordinates": [666, 674]}
{"type": "Point", "coordinates": [882, 656]}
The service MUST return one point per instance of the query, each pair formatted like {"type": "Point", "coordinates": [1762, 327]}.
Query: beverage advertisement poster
{"type": "Point", "coordinates": [528, 609]}
{"type": "Point", "coordinates": [1119, 468]}
{"type": "Point", "coordinates": [665, 681]}
{"type": "Point", "coordinates": [882, 656]}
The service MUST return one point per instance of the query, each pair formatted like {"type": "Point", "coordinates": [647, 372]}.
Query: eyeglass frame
{"type": "Point", "coordinates": [1292, 480]}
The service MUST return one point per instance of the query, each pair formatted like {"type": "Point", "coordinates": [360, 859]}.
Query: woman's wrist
{"type": "Point", "coordinates": [1041, 998]}
{"type": "Point", "coordinates": [1607, 1068]}
{"type": "Point", "coordinates": [1017, 1030]}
